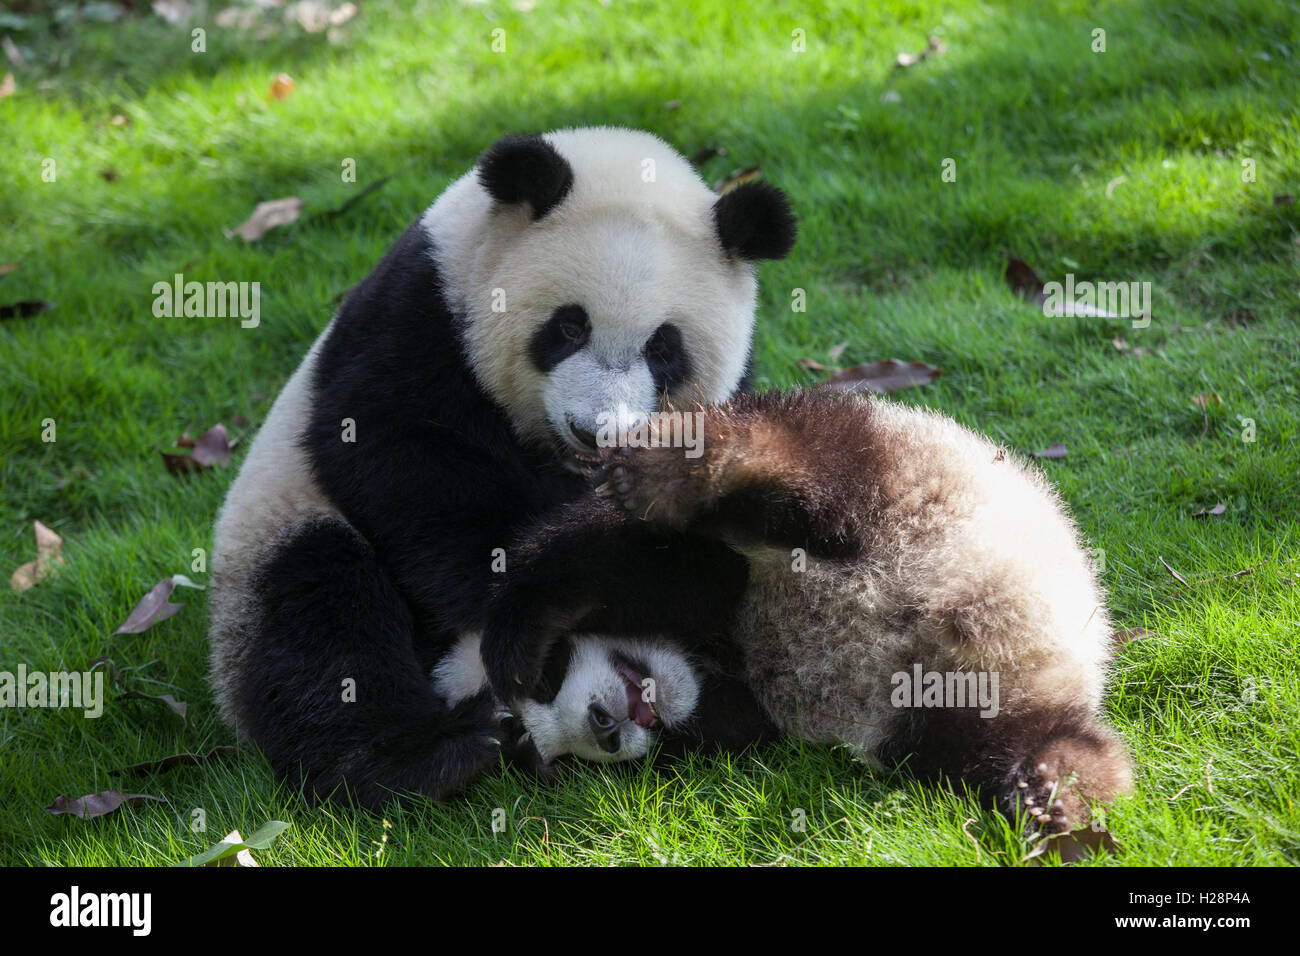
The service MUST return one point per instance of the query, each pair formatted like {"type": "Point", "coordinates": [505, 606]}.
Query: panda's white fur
{"type": "Point", "coordinates": [562, 726]}
{"type": "Point", "coordinates": [634, 240]}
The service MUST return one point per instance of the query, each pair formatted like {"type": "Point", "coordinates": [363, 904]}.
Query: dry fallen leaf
{"type": "Point", "coordinates": [706, 153]}
{"type": "Point", "coordinates": [1218, 509]}
{"type": "Point", "coordinates": [1024, 281]}
{"type": "Point", "coordinates": [935, 47]}
{"type": "Point", "coordinates": [212, 447]}
{"type": "Point", "coordinates": [151, 609]}
{"type": "Point", "coordinates": [1052, 451]}
{"type": "Point", "coordinates": [813, 365]}
{"type": "Point", "coordinates": [737, 177]}
{"type": "Point", "coordinates": [281, 87]}
{"type": "Point", "coordinates": [1074, 846]}
{"type": "Point", "coordinates": [266, 216]}
{"type": "Point", "coordinates": [1206, 399]}
{"type": "Point", "coordinates": [223, 752]}
{"type": "Point", "coordinates": [98, 804]}
{"type": "Point", "coordinates": [1130, 634]}
{"type": "Point", "coordinates": [883, 377]}
{"type": "Point", "coordinates": [7, 267]}
{"type": "Point", "coordinates": [24, 309]}
{"type": "Point", "coordinates": [7, 86]}
{"type": "Point", "coordinates": [49, 559]}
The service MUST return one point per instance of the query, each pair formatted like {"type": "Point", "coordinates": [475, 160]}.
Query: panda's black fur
{"type": "Point", "coordinates": [357, 545]}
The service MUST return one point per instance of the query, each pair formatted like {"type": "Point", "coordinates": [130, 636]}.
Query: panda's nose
{"type": "Point", "coordinates": [587, 438]}
{"type": "Point", "coordinates": [604, 727]}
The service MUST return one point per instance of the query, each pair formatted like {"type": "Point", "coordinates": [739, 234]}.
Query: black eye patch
{"type": "Point", "coordinates": [666, 357]}
{"type": "Point", "coordinates": [565, 332]}
{"type": "Point", "coordinates": [554, 671]}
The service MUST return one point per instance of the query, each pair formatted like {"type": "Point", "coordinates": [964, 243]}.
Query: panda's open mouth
{"type": "Point", "coordinates": [639, 710]}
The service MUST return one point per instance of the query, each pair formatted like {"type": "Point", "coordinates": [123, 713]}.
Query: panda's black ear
{"type": "Point", "coordinates": [527, 169]}
{"type": "Point", "coordinates": [755, 221]}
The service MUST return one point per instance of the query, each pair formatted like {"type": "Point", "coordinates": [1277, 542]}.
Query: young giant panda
{"type": "Point", "coordinates": [929, 551]}
{"type": "Point", "coordinates": [447, 408]}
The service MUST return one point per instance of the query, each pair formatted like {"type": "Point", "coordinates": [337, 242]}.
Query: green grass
{"type": "Point", "coordinates": [894, 262]}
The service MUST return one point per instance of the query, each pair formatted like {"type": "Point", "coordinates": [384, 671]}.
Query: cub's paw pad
{"type": "Point", "coordinates": [1042, 799]}
{"type": "Point", "coordinates": [653, 484]}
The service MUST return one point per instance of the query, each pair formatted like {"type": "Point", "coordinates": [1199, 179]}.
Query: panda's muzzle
{"type": "Point", "coordinates": [585, 438]}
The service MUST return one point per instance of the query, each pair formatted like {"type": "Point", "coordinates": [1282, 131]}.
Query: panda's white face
{"type": "Point", "coordinates": [620, 296]}
{"type": "Point", "coordinates": [613, 700]}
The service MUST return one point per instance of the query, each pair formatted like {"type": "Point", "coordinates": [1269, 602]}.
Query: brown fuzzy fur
{"type": "Point", "coordinates": [925, 544]}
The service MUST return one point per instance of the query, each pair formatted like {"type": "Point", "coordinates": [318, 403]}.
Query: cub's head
{"type": "Point", "coordinates": [597, 275]}
{"type": "Point", "coordinates": [606, 700]}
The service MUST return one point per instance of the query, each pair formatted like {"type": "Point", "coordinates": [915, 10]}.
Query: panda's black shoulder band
{"type": "Point", "coordinates": [528, 169]}
{"type": "Point", "coordinates": [755, 221]}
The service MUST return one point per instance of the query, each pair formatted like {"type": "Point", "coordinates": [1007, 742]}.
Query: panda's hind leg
{"type": "Point", "coordinates": [329, 685]}
{"type": "Point", "coordinates": [1043, 766]}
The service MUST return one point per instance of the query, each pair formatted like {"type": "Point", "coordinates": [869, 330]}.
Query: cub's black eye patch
{"type": "Point", "coordinates": [666, 356]}
{"type": "Point", "coordinates": [554, 671]}
{"type": "Point", "coordinates": [565, 332]}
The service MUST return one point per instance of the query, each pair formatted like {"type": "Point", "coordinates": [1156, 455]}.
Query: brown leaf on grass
{"type": "Point", "coordinates": [706, 153]}
{"type": "Point", "coordinates": [7, 86]}
{"type": "Point", "coordinates": [1052, 451]}
{"type": "Point", "coordinates": [209, 449]}
{"type": "Point", "coordinates": [673, 105]}
{"type": "Point", "coordinates": [1073, 846]}
{"type": "Point", "coordinates": [225, 752]}
{"type": "Point", "coordinates": [212, 447]}
{"type": "Point", "coordinates": [1206, 399]}
{"type": "Point", "coordinates": [837, 350]}
{"type": "Point", "coordinates": [180, 465]}
{"type": "Point", "coordinates": [813, 365]}
{"type": "Point", "coordinates": [737, 177]}
{"type": "Point", "coordinates": [883, 377]}
{"type": "Point", "coordinates": [97, 804]}
{"type": "Point", "coordinates": [281, 87]}
{"type": "Point", "coordinates": [1024, 281]}
{"type": "Point", "coordinates": [24, 309]}
{"type": "Point", "coordinates": [266, 216]}
{"type": "Point", "coordinates": [935, 47]}
{"type": "Point", "coordinates": [1218, 509]}
{"type": "Point", "coordinates": [179, 706]}
{"type": "Point", "coordinates": [49, 560]}
{"type": "Point", "coordinates": [1130, 634]}
{"type": "Point", "coordinates": [1176, 576]}
{"type": "Point", "coordinates": [109, 175]}
{"type": "Point", "coordinates": [151, 609]}
{"type": "Point", "coordinates": [7, 267]}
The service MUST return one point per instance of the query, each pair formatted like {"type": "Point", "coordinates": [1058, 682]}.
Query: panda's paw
{"type": "Point", "coordinates": [512, 664]}
{"type": "Point", "coordinates": [1044, 797]}
{"type": "Point", "coordinates": [658, 485]}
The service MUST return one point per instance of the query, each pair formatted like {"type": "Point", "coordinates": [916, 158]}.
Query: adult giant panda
{"type": "Point", "coordinates": [915, 593]}
{"type": "Point", "coordinates": [446, 410]}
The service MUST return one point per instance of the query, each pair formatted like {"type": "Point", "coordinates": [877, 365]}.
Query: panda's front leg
{"type": "Point", "coordinates": [777, 469]}
{"type": "Point", "coordinates": [592, 569]}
